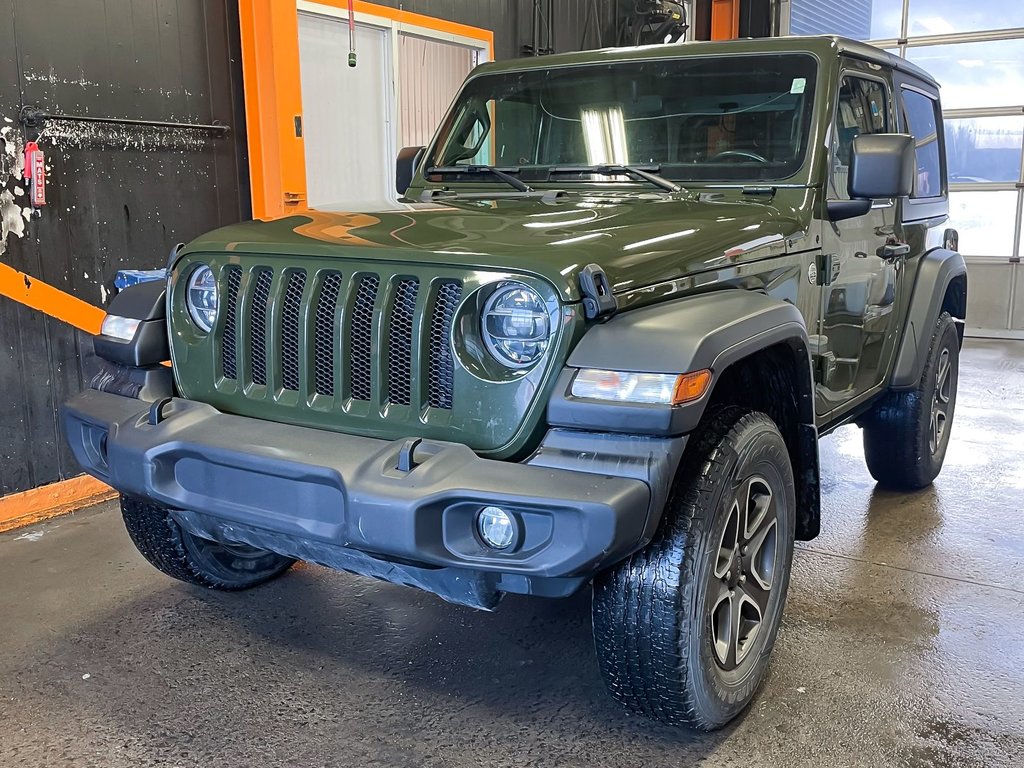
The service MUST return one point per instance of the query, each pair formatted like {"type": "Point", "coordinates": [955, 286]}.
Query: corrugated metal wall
{"type": "Point", "coordinates": [430, 73]}
{"type": "Point", "coordinates": [850, 18]}
{"type": "Point", "coordinates": [118, 197]}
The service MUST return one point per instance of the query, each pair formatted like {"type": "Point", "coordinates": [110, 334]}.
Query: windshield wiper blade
{"type": "Point", "coordinates": [620, 170]}
{"type": "Point", "coordinates": [503, 174]}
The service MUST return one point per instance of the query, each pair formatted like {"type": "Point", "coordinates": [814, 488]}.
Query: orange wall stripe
{"type": "Point", "coordinates": [47, 501]}
{"type": "Point", "coordinates": [53, 301]}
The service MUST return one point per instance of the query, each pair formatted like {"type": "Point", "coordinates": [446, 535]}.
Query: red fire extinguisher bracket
{"type": "Point", "coordinates": [35, 174]}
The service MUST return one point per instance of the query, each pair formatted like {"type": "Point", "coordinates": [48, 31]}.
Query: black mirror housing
{"type": "Point", "coordinates": [882, 165]}
{"type": "Point", "coordinates": [405, 168]}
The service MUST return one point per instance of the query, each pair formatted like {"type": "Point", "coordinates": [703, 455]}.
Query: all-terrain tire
{"type": "Point", "coordinates": [900, 447]}
{"type": "Point", "coordinates": [186, 557]}
{"type": "Point", "coordinates": [656, 615]}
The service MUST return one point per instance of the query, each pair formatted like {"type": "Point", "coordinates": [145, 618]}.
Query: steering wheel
{"type": "Point", "coordinates": [740, 153]}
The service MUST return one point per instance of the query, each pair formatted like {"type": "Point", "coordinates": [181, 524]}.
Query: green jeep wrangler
{"type": "Point", "coordinates": [594, 340]}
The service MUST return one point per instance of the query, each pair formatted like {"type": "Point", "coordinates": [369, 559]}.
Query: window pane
{"type": "Point", "coordinates": [984, 148]}
{"type": "Point", "coordinates": [943, 17]}
{"type": "Point", "coordinates": [863, 108]}
{"type": "Point", "coordinates": [859, 19]}
{"type": "Point", "coordinates": [984, 221]}
{"type": "Point", "coordinates": [922, 117]}
{"type": "Point", "coordinates": [975, 74]}
{"type": "Point", "coordinates": [744, 118]}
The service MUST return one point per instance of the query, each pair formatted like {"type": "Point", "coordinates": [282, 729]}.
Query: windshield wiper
{"type": "Point", "coordinates": [503, 174]}
{"type": "Point", "coordinates": [620, 170]}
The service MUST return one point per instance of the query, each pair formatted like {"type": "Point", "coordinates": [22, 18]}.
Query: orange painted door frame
{"type": "Point", "coordinates": [273, 106]}
{"type": "Point", "coordinates": [725, 19]}
{"type": "Point", "coordinates": [273, 93]}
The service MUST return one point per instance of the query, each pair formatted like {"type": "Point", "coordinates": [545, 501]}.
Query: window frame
{"type": "Point", "coordinates": [919, 208]}
{"type": "Point", "coordinates": [847, 71]}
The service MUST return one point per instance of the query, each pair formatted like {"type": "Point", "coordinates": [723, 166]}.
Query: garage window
{"type": "Point", "coordinates": [922, 118]}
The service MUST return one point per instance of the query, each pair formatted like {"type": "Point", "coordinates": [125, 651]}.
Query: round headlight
{"type": "Point", "coordinates": [201, 298]}
{"type": "Point", "coordinates": [516, 326]}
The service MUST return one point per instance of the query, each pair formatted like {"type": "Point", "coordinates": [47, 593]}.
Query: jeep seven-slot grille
{"type": "Point", "coordinates": [316, 331]}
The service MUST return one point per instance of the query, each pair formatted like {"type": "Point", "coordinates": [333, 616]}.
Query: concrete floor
{"type": "Point", "coordinates": [902, 644]}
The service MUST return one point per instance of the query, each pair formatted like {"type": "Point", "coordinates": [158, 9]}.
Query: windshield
{"type": "Point", "coordinates": [721, 118]}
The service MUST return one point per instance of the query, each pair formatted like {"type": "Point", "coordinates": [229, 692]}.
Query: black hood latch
{"type": "Point", "coordinates": [598, 299]}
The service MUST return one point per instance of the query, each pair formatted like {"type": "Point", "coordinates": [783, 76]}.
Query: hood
{"type": "Point", "coordinates": [638, 239]}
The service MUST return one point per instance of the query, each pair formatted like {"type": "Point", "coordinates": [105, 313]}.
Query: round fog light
{"type": "Point", "coordinates": [496, 527]}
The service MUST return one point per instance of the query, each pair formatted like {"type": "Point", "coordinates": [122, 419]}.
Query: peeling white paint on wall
{"type": "Point", "coordinates": [12, 215]}
{"type": "Point", "coordinates": [68, 134]}
{"type": "Point", "coordinates": [52, 79]}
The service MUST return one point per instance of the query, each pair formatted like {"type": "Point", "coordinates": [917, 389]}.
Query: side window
{"type": "Point", "coordinates": [863, 107]}
{"type": "Point", "coordinates": [921, 114]}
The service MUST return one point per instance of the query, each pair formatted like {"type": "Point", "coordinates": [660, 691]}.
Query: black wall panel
{"type": "Point", "coordinates": [566, 25]}
{"type": "Point", "coordinates": [118, 197]}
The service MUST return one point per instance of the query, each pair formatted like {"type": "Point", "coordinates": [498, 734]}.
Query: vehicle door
{"type": "Point", "coordinates": [861, 281]}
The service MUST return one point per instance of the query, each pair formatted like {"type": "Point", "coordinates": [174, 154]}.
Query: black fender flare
{"type": "Point", "coordinates": [935, 272]}
{"type": "Point", "coordinates": [707, 331]}
{"type": "Point", "coordinates": [145, 302]}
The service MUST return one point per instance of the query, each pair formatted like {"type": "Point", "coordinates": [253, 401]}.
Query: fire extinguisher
{"type": "Point", "coordinates": [35, 174]}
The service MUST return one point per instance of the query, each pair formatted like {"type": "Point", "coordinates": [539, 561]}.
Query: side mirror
{"type": "Point", "coordinates": [405, 169]}
{"type": "Point", "coordinates": [882, 165]}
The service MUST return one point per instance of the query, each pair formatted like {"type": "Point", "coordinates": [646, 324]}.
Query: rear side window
{"type": "Point", "coordinates": [922, 116]}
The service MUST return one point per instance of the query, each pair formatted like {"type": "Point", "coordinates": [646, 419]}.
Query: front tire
{"type": "Point", "coordinates": [176, 552]}
{"type": "Point", "coordinates": [685, 627]}
{"type": "Point", "coordinates": [906, 436]}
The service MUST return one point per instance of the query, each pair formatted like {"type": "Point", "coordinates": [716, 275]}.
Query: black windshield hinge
{"type": "Point", "coordinates": [598, 300]}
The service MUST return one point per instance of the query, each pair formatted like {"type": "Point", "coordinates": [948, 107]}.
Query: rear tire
{"type": "Point", "coordinates": [907, 433]}
{"type": "Point", "coordinates": [684, 628]}
{"type": "Point", "coordinates": [178, 553]}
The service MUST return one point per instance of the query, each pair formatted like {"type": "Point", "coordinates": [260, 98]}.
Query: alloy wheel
{"type": "Point", "coordinates": [741, 582]}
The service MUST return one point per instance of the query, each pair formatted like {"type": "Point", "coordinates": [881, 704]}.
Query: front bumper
{"type": "Point", "coordinates": [342, 500]}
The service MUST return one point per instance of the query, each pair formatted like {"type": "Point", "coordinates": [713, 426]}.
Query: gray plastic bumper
{"type": "Point", "coordinates": [341, 500]}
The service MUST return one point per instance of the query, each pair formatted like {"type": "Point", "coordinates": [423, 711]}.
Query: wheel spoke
{"type": "Point", "coordinates": [756, 593]}
{"type": "Point", "coordinates": [722, 622]}
{"type": "Point", "coordinates": [730, 541]}
{"type": "Point", "coordinates": [747, 617]}
{"type": "Point", "coordinates": [759, 554]}
{"type": "Point", "coordinates": [758, 506]}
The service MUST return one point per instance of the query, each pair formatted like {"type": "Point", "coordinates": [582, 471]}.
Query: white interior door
{"type": "Point", "coordinates": [346, 113]}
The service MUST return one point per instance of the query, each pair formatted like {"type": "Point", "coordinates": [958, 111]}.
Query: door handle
{"type": "Point", "coordinates": [893, 251]}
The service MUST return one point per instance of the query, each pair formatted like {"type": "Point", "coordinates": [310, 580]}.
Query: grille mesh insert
{"type": "Point", "coordinates": [290, 330]}
{"type": "Point", "coordinates": [325, 333]}
{"type": "Point", "coordinates": [360, 369]}
{"type": "Point", "coordinates": [442, 368]}
{"type": "Point", "coordinates": [400, 341]}
{"type": "Point", "coordinates": [258, 323]}
{"type": "Point", "coordinates": [228, 349]}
